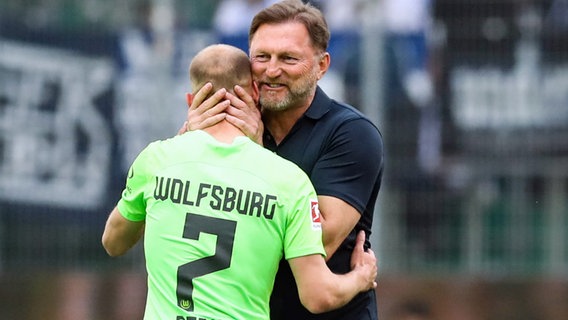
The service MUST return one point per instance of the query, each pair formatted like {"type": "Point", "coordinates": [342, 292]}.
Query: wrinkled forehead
{"type": "Point", "coordinates": [287, 36]}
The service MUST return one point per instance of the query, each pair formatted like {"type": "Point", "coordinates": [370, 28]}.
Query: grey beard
{"type": "Point", "coordinates": [275, 105]}
{"type": "Point", "coordinates": [284, 104]}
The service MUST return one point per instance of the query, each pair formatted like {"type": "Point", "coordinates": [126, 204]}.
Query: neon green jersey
{"type": "Point", "coordinates": [219, 218]}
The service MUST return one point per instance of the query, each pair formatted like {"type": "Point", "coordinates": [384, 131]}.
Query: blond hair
{"type": "Point", "coordinates": [223, 65]}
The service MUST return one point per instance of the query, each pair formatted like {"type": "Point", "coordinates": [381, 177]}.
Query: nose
{"type": "Point", "coordinates": [273, 68]}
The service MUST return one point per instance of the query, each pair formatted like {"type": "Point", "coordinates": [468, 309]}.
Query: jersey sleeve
{"type": "Point", "coordinates": [132, 204]}
{"type": "Point", "coordinates": [351, 164]}
{"type": "Point", "coordinates": [303, 234]}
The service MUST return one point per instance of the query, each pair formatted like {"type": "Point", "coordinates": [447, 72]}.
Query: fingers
{"type": "Point", "coordinates": [200, 105]}
{"type": "Point", "coordinates": [371, 253]}
{"type": "Point", "coordinates": [250, 128]}
{"type": "Point", "coordinates": [210, 102]}
{"type": "Point", "coordinates": [368, 259]}
{"type": "Point", "coordinates": [244, 114]}
{"type": "Point", "coordinates": [243, 102]}
{"type": "Point", "coordinates": [365, 261]}
{"type": "Point", "coordinates": [245, 97]}
{"type": "Point", "coordinates": [360, 241]}
{"type": "Point", "coordinates": [210, 121]}
{"type": "Point", "coordinates": [201, 95]}
{"type": "Point", "coordinates": [183, 128]}
{"type": "Point", "coordinates": [197, 120]}
{"type": "Point", "coordinates": [205, 113]}
{"type": "Point", "coordinates": [239, 109]}
{"type": "Point", "coordinates": [374, 273]}
{"type": "Point", "coordinates": [358, 256]}
{"type": "Point", "coordinates": [216, 110]}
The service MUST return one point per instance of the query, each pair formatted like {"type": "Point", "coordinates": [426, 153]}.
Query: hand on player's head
{"type": "Point", "coordinates": [204, 109]}
{"type": "Point", "coordinates": [244, 113]}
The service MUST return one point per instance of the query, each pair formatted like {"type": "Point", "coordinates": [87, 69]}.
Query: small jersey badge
{"type": "Point", "coordinates": [316, 215]}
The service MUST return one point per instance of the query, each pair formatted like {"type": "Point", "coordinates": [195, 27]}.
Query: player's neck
{"type": "Point", "coordinates": [224, 132]}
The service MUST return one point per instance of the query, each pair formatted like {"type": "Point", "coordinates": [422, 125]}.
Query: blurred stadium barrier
{"type": "Point", "coordinates": [498, 204]}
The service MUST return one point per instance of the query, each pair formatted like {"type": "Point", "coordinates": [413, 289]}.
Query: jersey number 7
{"type": "Point", "coordinates": [194, 226]}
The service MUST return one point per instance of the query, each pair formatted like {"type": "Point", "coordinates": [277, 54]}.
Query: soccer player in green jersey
{"type": "Point", "coordinates": [219, 211]}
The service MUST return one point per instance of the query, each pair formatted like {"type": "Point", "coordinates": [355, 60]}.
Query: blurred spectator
{"type": "Point", "coordinates": [408, 26]}
{"type": "Point", "coordinates": [556, 16]}
{"type": "Point", "coordinates": [196, 14]}
{"type": "Point", "coordinates": [232, 20]}
{"type": "Point", "coordinates": [342, 16]}
{"type": "Point", "coordinates": [146, 98]}
{"type": "Point", "coordinates": [407, 23]}
{"type": "Point", "coordinates": [555, 31]}
{"type": "Point", "coordinates": [343, 19]}
{"type": "Point", "coordinates": [413, 120]}
{"type": "Point", "coordinates": [146, 44]}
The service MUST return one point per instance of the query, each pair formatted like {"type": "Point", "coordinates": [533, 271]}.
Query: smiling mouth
{"type": "Point", "coordinates": [273, 85]}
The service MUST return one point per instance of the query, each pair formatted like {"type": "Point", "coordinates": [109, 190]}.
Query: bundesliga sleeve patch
{"type": "Point", "coordinates": [316, 215]}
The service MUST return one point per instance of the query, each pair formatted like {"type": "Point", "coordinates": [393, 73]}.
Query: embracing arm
{"type": "Point", "coordinates": [348, 177]}
{"type": "Point", "coordinates": [320, 290]}
{"type": "Point", "coordinates": [338, 220]}
{"type": "Point", "coordinates": [121, 234]}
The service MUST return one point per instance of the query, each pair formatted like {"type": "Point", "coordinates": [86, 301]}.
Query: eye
{"type": "Point", "coordinates": [290, 59]}
{"type": "Point", "coordinates": [261, 57]}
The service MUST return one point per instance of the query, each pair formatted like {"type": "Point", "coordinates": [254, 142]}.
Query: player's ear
{"type": "Point", "coordinates": [189, 99]}
{"type": "Point", "coordinates": [255, 94]}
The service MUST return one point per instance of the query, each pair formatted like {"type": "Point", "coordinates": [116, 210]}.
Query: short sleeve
{"type": "Point", "coordinates": [303, 234]}
{"type": "Point", "coordinates": [132, 204]}
{"type": "Point", "coordinates": [351, 164]}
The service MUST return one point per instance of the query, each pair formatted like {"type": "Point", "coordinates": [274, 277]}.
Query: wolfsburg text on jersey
{"type": "Point", "coordinates": [221, 198]}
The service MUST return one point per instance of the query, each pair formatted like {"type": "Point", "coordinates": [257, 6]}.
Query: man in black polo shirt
{"type": "Point", "coordinates": [337, 146]}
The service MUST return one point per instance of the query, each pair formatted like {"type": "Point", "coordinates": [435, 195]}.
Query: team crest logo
{"type": "Point", "coordinates": [316, 215]}
{"type": "Point", "coordinates": [185, 304]}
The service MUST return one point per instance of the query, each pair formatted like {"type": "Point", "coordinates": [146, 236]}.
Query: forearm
{"type": "Point", "coordinates": [116, 245]}
{"type": "Point", "coordinates": [340, 290]}
{"type": "Point", "coordinates": [320, 290]}
{"type": "Point", "coordinates": [120, 234]}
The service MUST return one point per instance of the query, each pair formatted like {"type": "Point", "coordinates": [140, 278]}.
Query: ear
{"type": "Point", "coordinates": [189, 99]}
{"type": "Point", "coordinates": [255, 92]}
{"type": "Point", "coordinates": [323, 64]}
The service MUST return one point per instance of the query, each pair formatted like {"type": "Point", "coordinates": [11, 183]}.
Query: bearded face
{"type": "Point", "coordinates": [285, 65]}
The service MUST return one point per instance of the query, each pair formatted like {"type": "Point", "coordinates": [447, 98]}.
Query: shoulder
{"type": "Point", "coordinates": [277, 164]}
{"type": "Point", "coordinates": [345, 123]}
{"type": "Point", "coordinates": [194, 138]}
{"type": "Point", "coordinates": [160, 149]}
{"type": "Point", "coordinates": [345, 113]}
{"type": "Point", "coordinates": [332, 114]}
{"type": "Point", "coordinates": [279, 169]}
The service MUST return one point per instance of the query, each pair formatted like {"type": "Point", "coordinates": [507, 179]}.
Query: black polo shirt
{"type": "Point", "coordinates": [341, 150]}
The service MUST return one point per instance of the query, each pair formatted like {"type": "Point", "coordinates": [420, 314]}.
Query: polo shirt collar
{"type": "Point", "coordinates": [320, 105]}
